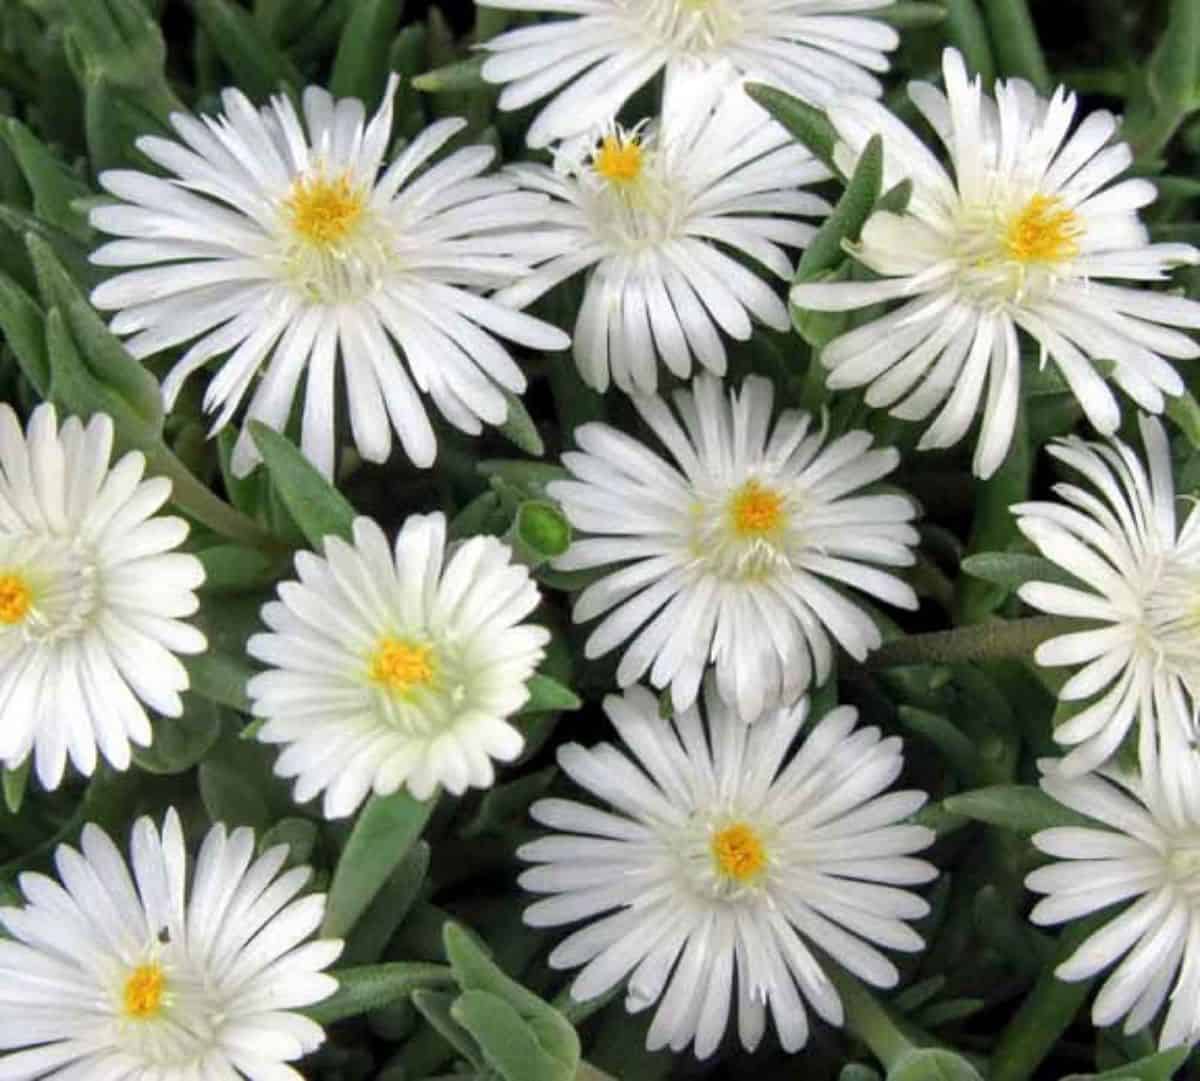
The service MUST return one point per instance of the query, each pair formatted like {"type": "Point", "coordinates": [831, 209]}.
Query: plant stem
{"type": "Point", "coordinates": [991, 641]}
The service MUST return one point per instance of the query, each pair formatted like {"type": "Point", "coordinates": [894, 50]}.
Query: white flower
{"type": "Point", "coordinates": [1138, 600]}
{"type": "Point", "coordinates": [113, 976]}
{"type": "Point", "coordinates": [598, 60]}
{"type": "Point", "coordinates": [721, 859]}
{"type": "Point", "coordinates": [91, 597]}
{"type": "Point", "coordinates": [393, 669]}
{"type": "Point", "coordinates": [728, 550]}
{"type": "Point", "coordinates": [1149, 856]}
{"type": "Point", "coordinates": [1021, 236]}
{"type": "Point", "coordinates": [277, 244]}
{"type": "Point", "coordinates": [643, 209]}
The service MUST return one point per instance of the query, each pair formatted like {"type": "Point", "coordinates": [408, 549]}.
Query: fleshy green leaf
{"type": "Point", "coordinates": [370, 986]}
{"type": "Point", "coordinates": [1016, 807]}
{"type": "Point", "coordinates": [360, 69]}
{"type": "Point", "coordinates": [510, 1047]}
{"type": "Point", "coordinates": [932, 1064]}
{"type": "Point", "coordinates": [387, 827]}
{"type": "Point", "coordinates": [843, 226]}
{"type": "Point", "coordinates": [1011, 570]}
{"type": "Point", "coordinates": [808, 125]}
{"type": "Point", "coordinates": [259, 67]}
{"type": "Point", "coordinates": [318, 508]}
{"type": "Point", "coordinates": [181, 742]}
{"type": "Point", "coordinates": [548, 695]}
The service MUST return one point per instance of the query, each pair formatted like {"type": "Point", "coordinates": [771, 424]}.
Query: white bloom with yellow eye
{"type": "Point", "coordinates": [1024, 236]}
{"type": "Point", "coordinates": [599, 59]}
{"type": "Point", "coordinates": [92, 597]}
{"type": "Point", "coordinates": [150, 977]}
{"type": "Point", "coordinates": [396, 666]}
{"type": "Point", "coordinates": [657, 217]}
{"type": "Point", "coordinates": [732, 550]}
{"type": "Point", "coordinates": [279, 244]}
{"type": "Point", "coordinates": [717, 856]}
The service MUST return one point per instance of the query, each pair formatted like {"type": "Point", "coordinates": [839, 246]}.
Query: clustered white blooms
{"type": "Point", "coordinates": [280, 243]}
{"type": "Point", "coordinates": [731, 552]}
{"type": "Point", "coordinates": [143, 976]}
{"type": "Point", "coordinates": [1138, 571]}
{"type": "Point", "coordinates": [1023, 235]}
{"type": "Point", "coordinates": [598, 60]}
{"type": "Point", "coordinates": [723, 857]}
{"type": "Point", "coordinates": [649, 210]}
{"type": "Point", "coordinates": [92, 597]}
{"type": "Point", "coordinates": [396, 666]}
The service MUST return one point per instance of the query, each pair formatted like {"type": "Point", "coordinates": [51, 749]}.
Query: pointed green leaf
{"type": "Point", "coordinates": [360, 69]}
{"type": "Point", "coordinates": [387, 827]}
{"type": "Point", "coordinates": [842, 227]}
{"type": "Point", "coordinates": [55, 188]}
{"type": "Point", "coordinates": [315, 505]}
{"type": "Point", "coordinates": [436, 1007]}
{"type": "Point", "coordinates": [15, 783]}
{"type": "Point", "coordinates": [932, 1064]}
{"type": "Point", "coordinates": [808, 125]}
{"type": "Point", "coordinates": [370, 986]}
{"type": "Point", "coordinates": [259, 67]}
{"type": "Point", "coordinates": [461, 75]}
{"type": "Point", "coordinates": [24, 328]}
{"type": "Point", "coordinates": [548, 695]}
{"type": "Point", "coordinates": [1011, 570]}
{"type": "Point", "coordinates": [1160, 1067]}
{"type": "Point", "coordinates": [518, 427]}
{"type": "Point", "coordinates": [181, 742]}
{"type": "Point", "coordinates": [1022, 808]}
{"type": "Point", "coordinates": [376, 926]}
{"type": "Point", "coordinates": [512, 1048]}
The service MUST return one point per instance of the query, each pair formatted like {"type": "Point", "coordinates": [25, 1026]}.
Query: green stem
{"type": "Point", "coordinates": [868, 1020]}
{"type": "Point", "coordinates": [194, 498]}
{"type": "Point", "coordinates": [992, 641]}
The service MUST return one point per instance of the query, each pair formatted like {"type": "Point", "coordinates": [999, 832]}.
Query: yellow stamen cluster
{"type": "Point", "coordinates": [16, 598]}
{"type": "Point", "coordinates": [323, 211]}
{"type": "Point", "coordinates": [618, 159]}
{"type": "Point", "coordinates": [401, 666]}
{"type": "Point", "coordinates": [756, 510]}
{"type": "Point", "coordinates": [144, 992]}
{"type": "Point", "coordinates": [1043, 231]}
{"type": "Point", "coordinates": [739, 852]}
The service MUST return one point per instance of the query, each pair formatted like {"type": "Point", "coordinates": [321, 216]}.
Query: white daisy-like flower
{"type": "Point", "coordinates": [393, 668]}
{"type": "Point", "coordinates": [1149, 856]}
{"type": "Point", "coordinates": [652, 213]}
{"type": "Point", "coordinates": [110, 975]}
{"type": "Point", "coordinates": [1138, 601]}
{"type": "Point", "coordinates": [599, 59]}
{"type": "Point", "coordinates": [278, 245]}
{"type": "Point", "coordinates": [727, 551]}
{"type": "Point", "coordinates": [92, 596]}
{"type": "Point", "coordinates": [721, 860]}
{"type": "Point", "coordinates": [1022, 236]}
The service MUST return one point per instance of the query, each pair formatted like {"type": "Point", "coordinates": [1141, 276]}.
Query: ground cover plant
{"type": "Point", "coordinates": [581, 539]}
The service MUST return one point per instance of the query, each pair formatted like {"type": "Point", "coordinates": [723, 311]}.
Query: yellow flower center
{"type": "Point", "coordinates": [16, 598]}
{"type": "Point", "coordinates": [619, 159]}
{"type": "Point", "coordinates": [144, 992]}
{"type": "Point", "coordinates": [756, 510]}
{"type": "Point", "coordinates": [323, 211]}
{"type": "Point", "coordinates": [738, 852]}
{"type": "Point", "coordinates": [401, 666]}
{"type": "Point", "coordinates": [1043, 231]}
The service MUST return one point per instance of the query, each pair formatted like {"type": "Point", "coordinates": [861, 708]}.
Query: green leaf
{"type": "Point", "coordinates": [547, 695]}
{"type": "Point", "coordinates": [913, 15]}
{"type": "Point", "coordinates": [842, 227]}
{"type": "Point", "coordinates": [24, 328]}
{"type": "Point", "coordinates": [387, 827]}
{"type": "Point", "coordinates": [300, 835]}
{"type": "Point", "coordinates": [259, 67]}
{"type": "Point", "coordinates": [1160, 1067]}
{"type": "Point", "coordinates": [808, 125]}
{"type": "Point", "coordinates": [1185, 411]}
{"type": "Point", "coordinates": [932, 1064]}
{"type": "Point", "coordinates": [510, 1047]}
{"type": "Point", "coordinates": [1022, 808]}
{"type": "Point", "coordinates": [376, 926]}
{"type": "Point", "coordinates": [1015, 42]}
{"type": "Point", "coordinates": [1011, 570]}
{"type": "Point", "coordinates": [436, 1007]}
{"type": "Point", "coordinates": [518, 427]}
{"type": "Point", "coordinates": [968, 33]}
{"type": "Point", "coordinates": [531, 477]}
{"type": "Point", "coordinates": [317, 507]}
{"type": "Point", "coordinates": [234, 568]}
{"type": "Point", "coordinates": [181, 742]}
{"type": "Point", "coordinates": [106, 359]}
{"type": "Point", "coordinates": [461, 75]}
{"type": "Point", "coordinates": [55, 188]}
{"type": "Point", "coordinates": [231, 798]}
{"type": "Point", "coordinates": [856, 1071]}
{"type": "Point", "coordinates": [371, 986]}
{"type": "Point", "coordinates": [15, 783]}
{"type": "Point", "coordinates": [360, 69]}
